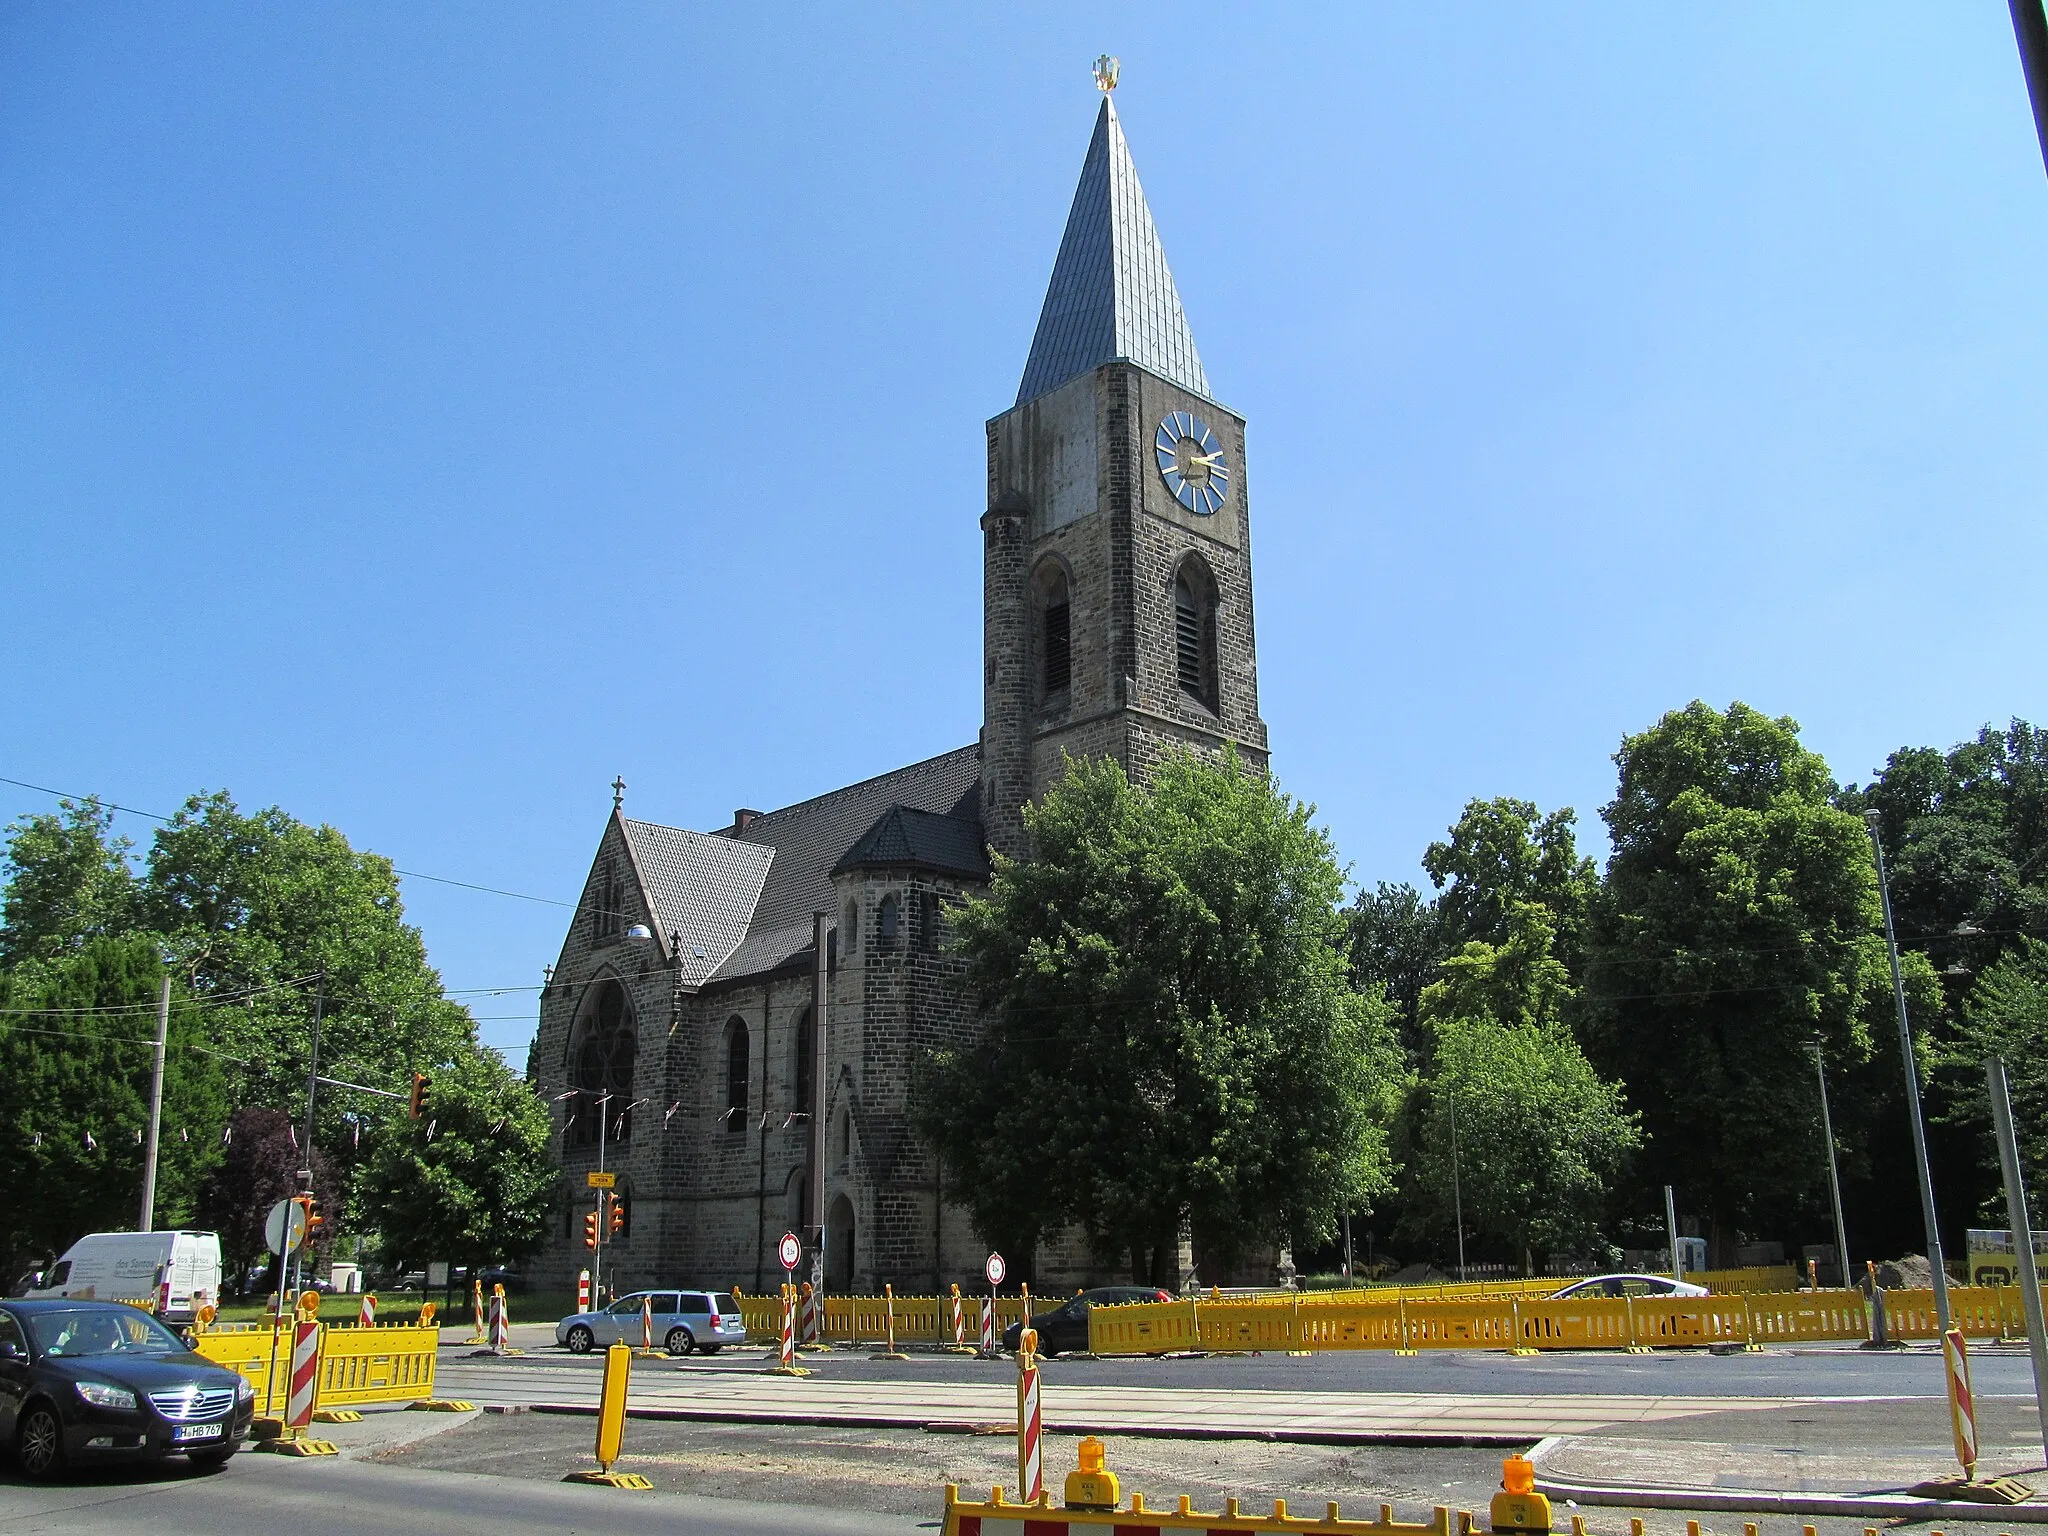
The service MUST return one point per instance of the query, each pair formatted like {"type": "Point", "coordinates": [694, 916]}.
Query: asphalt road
{"type": "Point", "coordinates": [1806, 1372]}
{"type": "Point", "coordinates": [262, 1495]}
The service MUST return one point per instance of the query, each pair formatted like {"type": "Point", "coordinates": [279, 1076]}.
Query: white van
{"type": "Point", "coordinates": [177, 1270]}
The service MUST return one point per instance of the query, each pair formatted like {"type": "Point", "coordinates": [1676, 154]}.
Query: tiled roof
{"type": "Point", "coordinates": [808, 839]}
{"type": "Point", "coordinates": [906, 838]}
{"type": "Point", "coordinates": [1111, 295]}
{"type": "Point", "coordinates": [704, 889]}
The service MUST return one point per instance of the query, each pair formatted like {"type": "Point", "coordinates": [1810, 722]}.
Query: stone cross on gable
{"type": "Point", "coordinates": [618, 793]}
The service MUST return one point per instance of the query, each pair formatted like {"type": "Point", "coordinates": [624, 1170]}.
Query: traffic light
{"type": "Point", "coordinates": [419, 1094]}
{"type": "Point", "coordinates": [590, 1229]}
{"type": "Point", "coordinates": [618, 1218]}
{"type": "Point", "coordinates": [314, 1220]}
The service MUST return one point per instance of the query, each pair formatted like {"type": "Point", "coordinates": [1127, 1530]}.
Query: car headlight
{"type": "Point", "coordinates": [244, 1391]}
{"type": "Point", "coordinates": [103, 1394]}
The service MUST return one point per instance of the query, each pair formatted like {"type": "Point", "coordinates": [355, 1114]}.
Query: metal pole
{"type": "Point", "coordinates": [1457, 1196]}
{"type": "Point", "coordinates": [156, 1107]}
{"type": "Point", "coordinates": [597, 1259]}
{"type": "Point", "coordinates": [821, 985]}
{"type": "Point", "coordinates": [1347, 1245]}
{"type": "Point", "coordinates": [2030, 26]}
{"type": "Point", "coordinates": [312, 1088]}
{"type": "Point", "coordinates": [1671, 1227]}
{"type": "Point", "coordinates": [1827, 1126]}
{"type": "Point", "coordinates": [1911, 1064]}
{"type": "Point", "coordinates": [2022, 1234]}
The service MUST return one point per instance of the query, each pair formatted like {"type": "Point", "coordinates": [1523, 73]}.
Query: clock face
{"type": "Point", "coordinates": [1191, 463]}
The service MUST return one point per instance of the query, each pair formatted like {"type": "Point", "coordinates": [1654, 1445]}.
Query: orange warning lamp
{"type": "Point", "coordinates": [1518, 1506]}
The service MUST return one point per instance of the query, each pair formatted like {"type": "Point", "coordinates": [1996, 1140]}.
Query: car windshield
{"type": "Point", "coordinates": [100, 1331]}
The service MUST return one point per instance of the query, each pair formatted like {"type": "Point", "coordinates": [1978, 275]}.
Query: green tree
{"type": "Point", "coordinates": [67, 882]}
{"type": "Point", "coordinates": [258, 1166]}
{"type": "Point", "coordinates": [1171, 1039]}
{"type": "Point", "coordinates": [1503, 852]}
{"type": "Point", "coordinates": [2007, 1015]}
{"type": "Point", "coordinates": [1395, 943]}
{"type": "Point", "coordinates": [472, 1180]}
{"type": "Point", "coordinates": [76, 1037]}
{"type": "Point", "coordinates": [1539, 1138]}
{"type": "Point", "coordinates": [1738, 927]}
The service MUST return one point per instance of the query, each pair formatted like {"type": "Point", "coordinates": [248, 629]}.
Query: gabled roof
{"type": "Point", "coordinates": [703, 889]}
{"type": "Point", "coordinates": [807, 840]}
{"type": "Point", "coordinates": [1111, 295]}
{"type": "Point", "coordinates": [911, 839]}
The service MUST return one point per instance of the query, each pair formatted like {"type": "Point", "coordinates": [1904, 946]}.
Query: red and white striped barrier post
{"type": "Point", "coordinates": [478, 1333]}
{"type": "Point", "coordinates": [647, 1324]}
{"type": "Point", "coordinates": [959, 1322]}
{"type": "Point", "coordinates": [812, 1332]}
{"type": "Point", "coordinates": [305, 1372]}
{"type": "Point", "coordinates": [501, 1325]}
{"type": "Point", "coordinates": [787, 1359]}
{"type": "Point", "coordinates": [1030, 1465]}
{"type": "Point", "coordinates": [1962, 1407]}
{"type": "Point", "coordinates": [366, 1316]}
{"type": "Point", "coordinates": [583, 1290]}
{"type": "Point", "coordinates": [988, 1324]}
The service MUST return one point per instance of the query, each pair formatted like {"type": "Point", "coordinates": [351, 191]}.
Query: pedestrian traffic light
{"type": "Point", "coordinates": [419, 1094]}
{"type": "Point", "coordinates": [590, 1229]}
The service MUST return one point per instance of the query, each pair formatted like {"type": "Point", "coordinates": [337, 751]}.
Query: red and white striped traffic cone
{"type": "Point", "coordinates": [367, 1316]}
{"type": "Point", "coordinates": [1030, 1466]}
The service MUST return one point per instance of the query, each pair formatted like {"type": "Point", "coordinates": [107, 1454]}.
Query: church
{"type": "Point", "coordinates": [679, 1044]}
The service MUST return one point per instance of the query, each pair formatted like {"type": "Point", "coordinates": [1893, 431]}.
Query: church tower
{"type": "Point", "coordinates": [1116, 575]}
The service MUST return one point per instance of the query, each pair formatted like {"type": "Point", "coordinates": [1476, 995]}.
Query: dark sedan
{"type": "Point", "coordinates": [88, 1381]}
{"type": "Point", "coordinates": [1066, 1327]}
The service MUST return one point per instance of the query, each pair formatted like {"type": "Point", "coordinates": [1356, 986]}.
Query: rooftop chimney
{"type": "Point", "coordinates": [742, 819]}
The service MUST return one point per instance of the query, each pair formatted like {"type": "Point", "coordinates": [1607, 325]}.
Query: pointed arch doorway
{"type": "Point", "coordinates": [839, 1236]}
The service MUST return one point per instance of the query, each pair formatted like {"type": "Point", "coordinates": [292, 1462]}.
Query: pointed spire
{"type": "Point", "coordinates": [1111, 295]}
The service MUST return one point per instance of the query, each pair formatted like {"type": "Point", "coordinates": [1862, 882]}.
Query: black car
{"type": "Point", "coordinates": [88, 1381]}
{"type": "Point", "coordinates": [1066, 1327]}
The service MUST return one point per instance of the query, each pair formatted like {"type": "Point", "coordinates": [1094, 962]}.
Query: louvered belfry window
{"type": "Point", "coordinates": [1059, 649]}
{"type": "Point", "coordinates": [1187, 628]}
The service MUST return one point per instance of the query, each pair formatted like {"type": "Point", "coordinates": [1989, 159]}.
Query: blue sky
{"type": "Point", "coordinates": [414, 416]}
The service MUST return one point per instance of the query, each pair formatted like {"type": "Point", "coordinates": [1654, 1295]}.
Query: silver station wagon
{"type": "Point", "coordinates": [685, 1322]}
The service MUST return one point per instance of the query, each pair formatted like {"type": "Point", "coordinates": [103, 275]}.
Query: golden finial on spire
{"type": "Point", "coordinates": [1105, 74]}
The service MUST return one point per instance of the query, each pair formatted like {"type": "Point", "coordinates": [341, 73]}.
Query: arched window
{"type": "Point", "coordinates": [736, 1068]}
{"type": "Point", "coordinates": [606, 921]}
{"type": "Point", "coordinates": [601, 1065]}
{"type": "Point", "coordinates": [850, 926]}
{"type": "Point", "coordinates": [934, 915]}
{"type": "Point", "coordinates": [1194, 632]}
{"type": "Point", "coordinates": [845, 1139]}
{"type": "Point", "coordinates": [802, 1050]}
{"type": "Point", "coordinates": [1055, 631]}
{"type": "Point", "coordinates": [890, 922]}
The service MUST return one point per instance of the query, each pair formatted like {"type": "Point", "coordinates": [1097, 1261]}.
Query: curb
{"type": "Point", "coordinates": [1420, 1438]}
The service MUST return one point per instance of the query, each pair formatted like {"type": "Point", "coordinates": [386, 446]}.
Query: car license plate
{"type": "Point", "coordinates": [197, 1432]}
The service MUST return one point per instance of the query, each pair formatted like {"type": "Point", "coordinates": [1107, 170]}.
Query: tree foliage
{"type": "Point", "coordinates": [67, 883]}
{"type": "Point", "coordinates": [1738, 927]}
{"type": "Point", "coordinates": [471, 1181]}
{"type": "Point", "coordinates": [1502, 853]}
{"type": "Point", "coordinates": [76, 1050]}
{"type": "Point", "coordinates": [1395, 942]}
{"type": "Point", "coordinates": [1538, 1137]}
{"type": "Point", "coordinates": [1171, 1037]}
{"type": "Point", "coordinates": [258, 1166]}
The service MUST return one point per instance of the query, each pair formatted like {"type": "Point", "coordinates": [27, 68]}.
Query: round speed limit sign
{"type": "Point", "coordinates": [789, 1250]}
{"type": "Point", "coordinates": [995, 1269]}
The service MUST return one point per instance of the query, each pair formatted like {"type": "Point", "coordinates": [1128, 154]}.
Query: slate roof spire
{"type": "Point", "coordinates": [1111, 295]}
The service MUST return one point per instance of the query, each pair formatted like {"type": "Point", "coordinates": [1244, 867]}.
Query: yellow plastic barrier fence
{"type": "Point", "coordinates": [1982, 1312]}
{"type": "Point", "coordinates": [390, 1364]}
{"type": "Point", "coordinates": [865, 1319]}
{"type": "Point", "coordinates": [1044, 1517]}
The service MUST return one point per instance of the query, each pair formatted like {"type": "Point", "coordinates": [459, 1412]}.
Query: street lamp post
{"type": "Point", "coordinates": [1871, 820]}
{"type": "Point", "coordinates": [1827, 1128]}
{"type": "Point", "coordinates": [1457, 1196]}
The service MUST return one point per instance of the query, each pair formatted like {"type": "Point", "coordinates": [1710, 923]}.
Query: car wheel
{"type": "Point", "coordinates": [580, 1339]}
{"type": "Point", "coordinates": [680, 1341]}
{"type": "Point", "coordinates": [39, 1443]}
{"type": "Point", "coordinates": [209, 1461]}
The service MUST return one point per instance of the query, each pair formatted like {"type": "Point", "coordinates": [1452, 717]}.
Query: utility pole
{"type": "Point", "coordinates": [1871, 818]}
{"type": "Point", "coordinates": [1457, 1196]}
{"type": "Point", "coordinates": [312, 1089]}
{"type": "Point", "coordinates": [1671, 1227]}
{"type": "Point", "coordinates": [1827, 1127]}
{"type": "Point", "coordinates": [156, 1106]}
{"type": "Point", "coordinates": [604, 1114]}
{"type": "Point", "coordinates": [2022, 1233]}
{"type": "Point", "coordinates": [814, 1216]}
